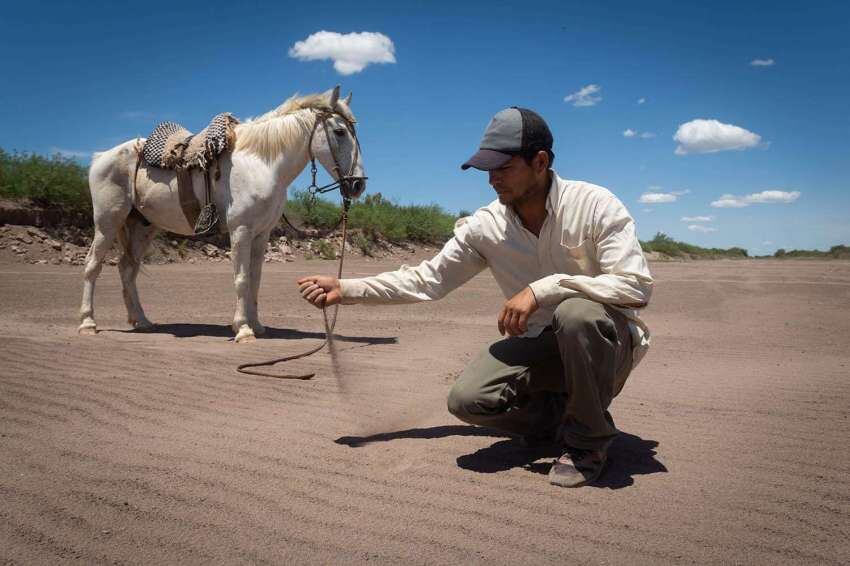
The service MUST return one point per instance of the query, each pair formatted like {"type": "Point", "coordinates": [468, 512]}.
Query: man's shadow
{"type": "Point", "coordinates": [628, 456]}
{"type": "Point", "coordinates": [192, 330]}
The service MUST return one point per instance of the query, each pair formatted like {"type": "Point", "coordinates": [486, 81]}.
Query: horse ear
{"type": "Point", "coordinates": [334, 96]}
{"type": "Point", "coordinates": [348, 99]}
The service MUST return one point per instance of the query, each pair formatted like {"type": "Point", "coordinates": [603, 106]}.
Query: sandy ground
{"type": "Point", "coordinates": [150, 448]}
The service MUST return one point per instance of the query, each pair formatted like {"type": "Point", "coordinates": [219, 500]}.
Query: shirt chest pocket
{"type": "Point", "coordinates": [578, 253]}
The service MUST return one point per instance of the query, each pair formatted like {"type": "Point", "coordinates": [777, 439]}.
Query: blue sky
{"type": "Point", "coordinates": [85, 76]}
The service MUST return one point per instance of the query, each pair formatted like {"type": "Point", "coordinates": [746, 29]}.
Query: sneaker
{"type": "Point", "coordinates": [577, 467]}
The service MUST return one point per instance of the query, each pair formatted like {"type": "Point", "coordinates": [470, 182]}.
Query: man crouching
{"type": "Point", "coordinates": [567, 258]}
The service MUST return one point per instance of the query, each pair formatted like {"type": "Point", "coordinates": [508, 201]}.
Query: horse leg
{"type": "Point", "coordinates": [135, 238]}
{"type": "Point", "coordinates": [104, 237]}
{"type": "Point", "coordinates": [240, 255]}
{"type": "Point", "coordinates": [258, 256]}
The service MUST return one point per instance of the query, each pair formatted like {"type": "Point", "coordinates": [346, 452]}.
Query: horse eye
{"type": "Point", "coordinates": [339, 131]}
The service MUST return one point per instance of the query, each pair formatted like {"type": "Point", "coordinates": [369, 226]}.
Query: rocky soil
{"type": "Point", "coordinates": [69, 245]}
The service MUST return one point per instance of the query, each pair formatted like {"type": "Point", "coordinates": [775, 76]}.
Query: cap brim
{"type": "Point", "coordinates": [487, 159]}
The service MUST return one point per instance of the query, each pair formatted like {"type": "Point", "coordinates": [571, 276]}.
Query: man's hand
{"type": "Point", "coordinates": [514, 316]}
{"type": "Point", "coordinates": [320, 290]}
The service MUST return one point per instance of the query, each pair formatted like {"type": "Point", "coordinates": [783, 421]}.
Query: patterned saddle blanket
{"type": "Point", "coordinates": [171, 146]}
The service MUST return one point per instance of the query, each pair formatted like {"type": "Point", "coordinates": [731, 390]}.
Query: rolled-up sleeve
{"type": "Point", "coordinates": [457, 263]}
{"type": "Point", "coordinates": [624, 279]}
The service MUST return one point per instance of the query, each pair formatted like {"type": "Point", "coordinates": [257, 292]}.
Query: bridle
{"type": "Point", "coordinates": [350, 187]}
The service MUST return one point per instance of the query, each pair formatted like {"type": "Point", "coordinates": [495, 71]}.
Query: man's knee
{"type": "Point", "coordinates": [460, 400]}
{"type": "Point", "coordinates": [576, 316]}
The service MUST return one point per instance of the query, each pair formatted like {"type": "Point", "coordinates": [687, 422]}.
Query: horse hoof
{"type": "Point", "coordinates": [259, 329]}
{"type": "Point", "coordinates": [245, 335]}
{"type": "Point", "coordinates": [87, 330]}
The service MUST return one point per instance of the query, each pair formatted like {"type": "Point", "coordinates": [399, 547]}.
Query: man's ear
{"type": "Point", "coordinates": [541, 161]}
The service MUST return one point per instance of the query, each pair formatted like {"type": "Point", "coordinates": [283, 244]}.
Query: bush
{"type": "Point", "coordinates": [664, 244]}
{"type": "Point", "coordinates": [365, 244]}
{"type": "Point", "coordinates": [317, 213]}
{"type": "Point", "coordinates": [835, 252]}
{"type": "Point", "coordinates": [376, 217]}
{"type": "Point", "coordinates": [325, 249]}
{"type": "Point", "coordinates": [48, 182]}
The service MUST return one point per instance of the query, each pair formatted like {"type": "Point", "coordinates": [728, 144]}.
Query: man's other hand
{"type": "Point", "coordinates": [320, 290]}
{"type": "Point", "coordinates": [513, 319]}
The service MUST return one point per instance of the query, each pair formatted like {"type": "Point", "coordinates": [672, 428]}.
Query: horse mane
{"type": "Point", "coordinates": [270, 134]}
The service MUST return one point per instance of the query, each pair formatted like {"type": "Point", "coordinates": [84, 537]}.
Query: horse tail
{"type": "Point", "coordinates": [125, 237]}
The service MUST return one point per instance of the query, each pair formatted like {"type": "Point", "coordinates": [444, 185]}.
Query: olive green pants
{"type": "Point", "coordinates": [567, 376]}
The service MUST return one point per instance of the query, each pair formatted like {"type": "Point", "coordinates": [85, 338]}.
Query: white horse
{"type": "Point", "coordinates": [270, 152]}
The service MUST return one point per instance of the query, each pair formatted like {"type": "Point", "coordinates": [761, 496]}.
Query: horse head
{"type": "Point", "coordinates": [335, 145]}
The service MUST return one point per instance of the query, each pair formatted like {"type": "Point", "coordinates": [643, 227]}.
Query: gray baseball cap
{"type": "Point", "coordinates": [511, 131]}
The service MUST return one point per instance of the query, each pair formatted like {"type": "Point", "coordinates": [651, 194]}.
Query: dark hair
{"type": "Point", "coordinates": [529, 154]}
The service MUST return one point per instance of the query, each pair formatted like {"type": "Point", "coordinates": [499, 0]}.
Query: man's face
{"type": "Point", "coordinates": [513, 180]}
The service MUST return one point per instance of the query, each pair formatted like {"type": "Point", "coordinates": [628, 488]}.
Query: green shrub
{"type": "Point", "coordinates": [325, 249]}
{"type": "Point", "coordinates": [49, 182]}
{"type": "Point", "coordinates": [835, 252]}
{"type": "Point", "coordinates": [364, 243]}
{"type": "Point", "coordinates": [318, 213]}
{"type": "Point", "coordinates": [664, 244]}
{"type": "Point", "coordinates": [376, 217]}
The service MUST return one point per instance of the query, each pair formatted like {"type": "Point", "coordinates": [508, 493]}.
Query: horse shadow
{"type": "Point", "coordinates": [628, 456]}
{"type": "Point", "coordinates": [193, 330]}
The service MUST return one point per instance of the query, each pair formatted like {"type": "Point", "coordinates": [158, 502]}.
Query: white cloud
{"type": "Point", "coordinates": [697, 218]}
{"type": "Point", "coordinates": [729, 201]}
{"type": "Point", "coordinates": [585, 96]}
{"type": "Point", "coordinates": [630, 133]}
{"type": "Point", "coordinates": [766, 243]}
{"type": "Point", "coordinates": [764, 197]}
{"type": "Point", "coordinates": [350, 52]}
{"type": "Point", "coordinates": [701, 228]}
{"type": "Point", "coordinates": [762, 63]}
{"type": "Point", "coordinates": [767, 197]}
{"type": "Point", "coordinates": [657, 198]}
{"type": "Point", "coordinates": [72, 153]}
{"type": "Point", "coordinates": [710, 136]}
{"type": "Point", "coordinates": [641, 100]}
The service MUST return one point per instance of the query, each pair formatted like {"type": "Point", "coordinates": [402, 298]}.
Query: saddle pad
{"type": "Point", "coordinates": [210, 142]}
{"type": "Point", "coordinates": [171, 146]}
{"type": "Point", "coordinates": [154, 149]}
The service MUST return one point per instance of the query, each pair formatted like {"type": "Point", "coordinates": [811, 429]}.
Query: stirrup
{"type": "Point", "coordinates": [207, 220]}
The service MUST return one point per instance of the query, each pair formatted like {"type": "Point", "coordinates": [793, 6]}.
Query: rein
{"type": "Point", "coordinates": [346, 185]}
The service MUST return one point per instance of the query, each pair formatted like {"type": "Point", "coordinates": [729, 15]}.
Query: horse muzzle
{"type": "Point", "coordinates": [352, 187]}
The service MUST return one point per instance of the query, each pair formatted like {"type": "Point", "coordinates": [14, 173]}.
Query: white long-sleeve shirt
{"type": "Point", "coordinates": [587, 247]}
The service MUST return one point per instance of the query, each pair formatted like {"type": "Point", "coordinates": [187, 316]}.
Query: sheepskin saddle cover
{"type": "Point", "coordinates": [171, 146]}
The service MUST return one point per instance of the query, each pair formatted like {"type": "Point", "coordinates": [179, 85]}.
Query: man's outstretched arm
{"type": "Point", "coordinates": [457, 263]}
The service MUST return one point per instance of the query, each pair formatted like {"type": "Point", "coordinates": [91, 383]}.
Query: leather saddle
{"type": "Point", "coordinates": [172, 147]}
